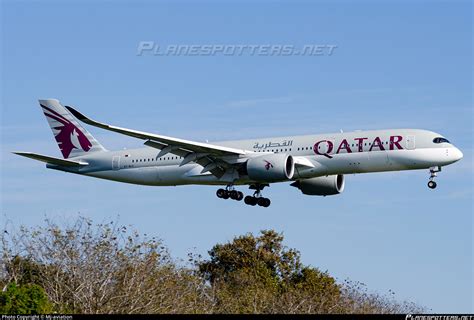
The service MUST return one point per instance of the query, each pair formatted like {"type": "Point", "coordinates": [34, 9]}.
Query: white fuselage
{"type": "Point", "coordinates": [324, 154]}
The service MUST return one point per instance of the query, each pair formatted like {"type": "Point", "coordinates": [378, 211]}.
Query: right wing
{"type": "Point", "coordinates": [213, 158]}
{"type": "Point", "coordinates": [51, 160]}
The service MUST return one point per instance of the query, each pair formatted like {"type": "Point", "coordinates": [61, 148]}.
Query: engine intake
{"type": "Point", "coordinates": [321, 186]}
{"type": "Point", "coordinates": [271, 168]}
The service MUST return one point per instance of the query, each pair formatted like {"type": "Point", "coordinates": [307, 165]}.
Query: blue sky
{"type": "Point", "coordinates": [396, 65]}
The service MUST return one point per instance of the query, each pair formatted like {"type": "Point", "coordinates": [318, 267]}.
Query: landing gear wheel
{"type": "Point", "coordinates": [431, 184]}
{"type": "Point", "coordinates": [247, 200]}
{"type": "Point", "coordinates": [250, 200]}
{"type": "Point", "coordinates": [220, 193]}
{"type": "Point", "coordinates": [240, 196]}
{"type": "Point", "coordinates": [233, 194]}
{"type": "Point", "coordinates": [226, 195]}
{"type": "Point", "coordinates": [267, 203]}
{"type": "Point", "coordinates": [263, 202]}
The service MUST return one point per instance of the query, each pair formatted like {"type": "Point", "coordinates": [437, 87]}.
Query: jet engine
{"type": "Point", "coordinates": [321, 186]}
{"type": "Point", "coordinates": [271, 168]}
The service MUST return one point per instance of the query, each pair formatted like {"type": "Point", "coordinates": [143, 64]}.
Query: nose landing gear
{"type": "Point", "coordinates": [433, 173]}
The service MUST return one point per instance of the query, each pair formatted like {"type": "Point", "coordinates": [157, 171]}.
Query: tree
{"type": "Point", "coordinates": [260, 275]}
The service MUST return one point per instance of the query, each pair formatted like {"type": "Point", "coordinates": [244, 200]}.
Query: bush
{"type": "Point", "coordinates": [25, 299]}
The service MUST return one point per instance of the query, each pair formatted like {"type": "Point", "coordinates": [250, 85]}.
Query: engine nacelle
{"type": "Point", "coordinates": [321, 186]}
{"type": "Point", "coordinates": [271, 168]}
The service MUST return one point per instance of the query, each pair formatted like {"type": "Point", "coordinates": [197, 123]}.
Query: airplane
{"type": "Point", "coordinates": [314, 164]}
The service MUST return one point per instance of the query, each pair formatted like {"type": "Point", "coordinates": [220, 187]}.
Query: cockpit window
{"type": "Point", "coordinates": [440, 140]}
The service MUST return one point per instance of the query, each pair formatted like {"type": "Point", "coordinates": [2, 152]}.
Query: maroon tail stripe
{"type": "Point", "coordinates": [55, 113]}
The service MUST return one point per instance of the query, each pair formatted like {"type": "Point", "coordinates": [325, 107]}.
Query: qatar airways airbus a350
{"type": "Point", "coordinates": [315, 164]}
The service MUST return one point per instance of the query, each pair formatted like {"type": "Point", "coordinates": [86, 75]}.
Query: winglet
{"type": "Point", "coordinates": [76, 113]}
{"type": "Point", "coordinates": [87, 120]}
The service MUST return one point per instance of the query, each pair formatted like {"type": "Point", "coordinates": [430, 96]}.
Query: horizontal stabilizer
{"type": "Point", "coordinates": [52, 160]}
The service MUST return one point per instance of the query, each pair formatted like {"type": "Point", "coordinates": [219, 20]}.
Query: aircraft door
{"type": "Point", "coordinates": [410, 143]}
{"type": "Point", "coordinates": [116, 162]}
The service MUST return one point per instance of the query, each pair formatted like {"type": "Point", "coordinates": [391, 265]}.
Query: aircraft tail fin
{"type": "Point", "coordinates": [73, 140]}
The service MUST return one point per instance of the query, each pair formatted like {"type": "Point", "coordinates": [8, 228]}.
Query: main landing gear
{"type": "Point", "coordinates": [256, 199]}
{"type": "Point", "coordinates": [433, 174]}
{"type": "Point", "coordinates": [230, 192]}
{"type": "Point", "coordinates": [257, 196]}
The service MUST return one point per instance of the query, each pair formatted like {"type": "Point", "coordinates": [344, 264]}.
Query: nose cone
{"type": "Point", "coordinates": [456, 154]}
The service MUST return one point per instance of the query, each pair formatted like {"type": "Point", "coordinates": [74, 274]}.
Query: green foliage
{"type": "Point", "coordinates": [24, 299]}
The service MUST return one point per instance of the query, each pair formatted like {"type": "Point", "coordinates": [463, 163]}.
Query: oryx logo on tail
{"type": "Point", "coordinates": [67, 134]}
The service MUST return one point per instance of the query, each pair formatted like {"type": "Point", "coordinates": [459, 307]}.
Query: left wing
{"type": "Point", "coordinates": [213, 158]}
